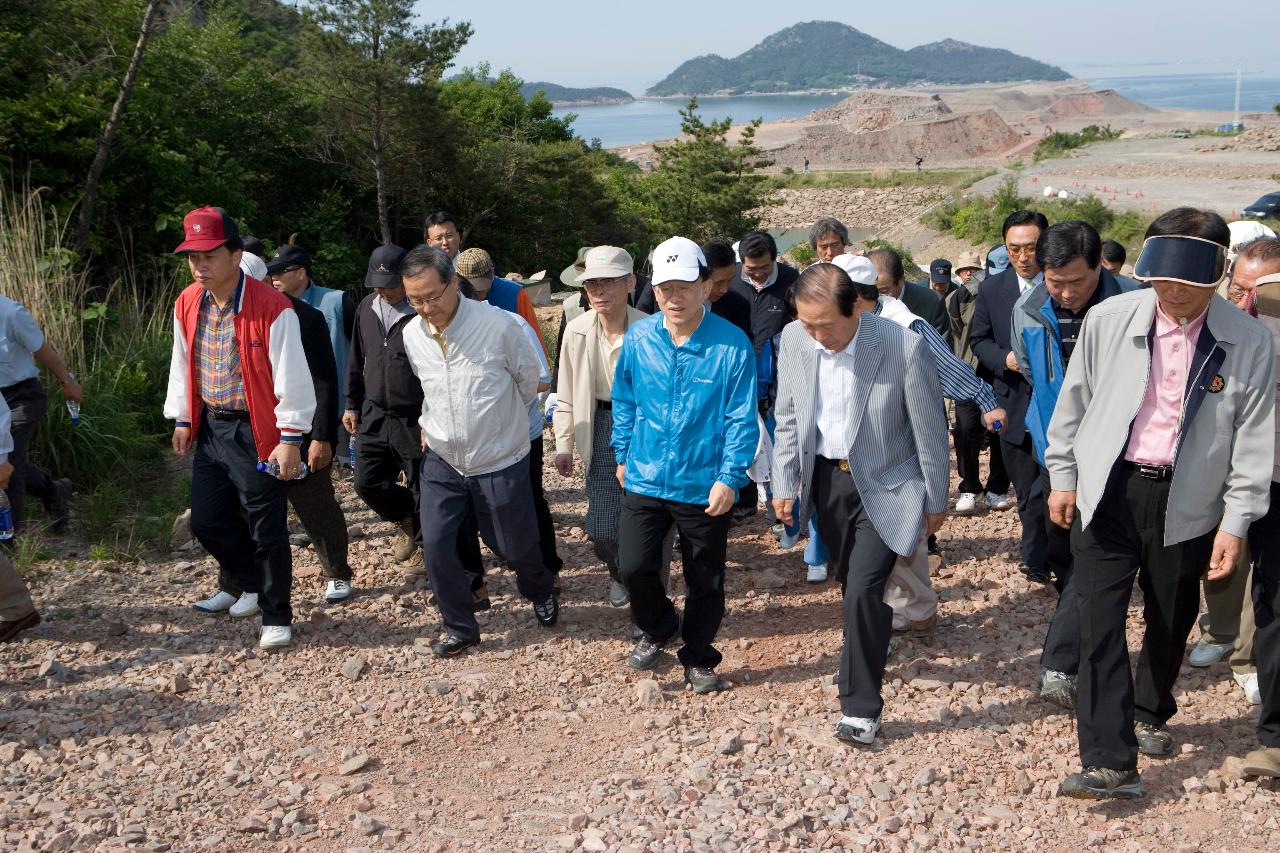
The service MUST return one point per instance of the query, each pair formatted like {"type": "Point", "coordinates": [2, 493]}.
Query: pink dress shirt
{"type": "Point", "coordinates": [1154, 437]}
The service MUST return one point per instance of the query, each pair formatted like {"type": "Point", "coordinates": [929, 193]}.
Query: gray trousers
{"type": "Point", "coordinates": [15, 598]}
{"type": "Point", "coordinates": [502, 503]}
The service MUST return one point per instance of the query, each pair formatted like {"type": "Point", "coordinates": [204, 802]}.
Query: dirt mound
{"type": "Point", "coordinates": [955, 138]}
{"type": "Point", "coordinates": [1105, 102]}
{"type": "Point", "coordinates": [1265, 138]}
{"type": "Point", "coordinates": [869, 111]}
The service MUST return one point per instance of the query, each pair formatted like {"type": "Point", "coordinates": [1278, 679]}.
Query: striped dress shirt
{"type": "Point", "coordinates": [218, 356]}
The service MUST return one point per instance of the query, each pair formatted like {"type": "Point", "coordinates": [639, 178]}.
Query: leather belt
{"type": "Point", "coordinates": [1150, 472]}
{"type": "Point", "coordinates": [842, 464]}
{"type": "Point", "coordinates": [607, 405]}
{"type": "Point", "coordinates": [227, 414]}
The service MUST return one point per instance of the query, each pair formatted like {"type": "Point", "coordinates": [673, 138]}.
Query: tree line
{"type": "Point", "coordinates": [338, 125]}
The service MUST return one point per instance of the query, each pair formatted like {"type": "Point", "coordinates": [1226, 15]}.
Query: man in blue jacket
{"type": "Point", "coordinates": [685, 431]}
{"type": "Point", "coordinates": [1046, 323]}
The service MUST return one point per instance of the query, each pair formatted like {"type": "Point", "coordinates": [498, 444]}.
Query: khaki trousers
{"type": "Point", "coordinates": [909, 591]}
{"type": "Point", "coordinates": [15, 598]}
{"type": "Point", "coordinates": [1229, 619]}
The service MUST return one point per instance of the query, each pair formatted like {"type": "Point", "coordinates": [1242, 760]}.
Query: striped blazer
{"type": "Point", "coordinates": [898, 457]}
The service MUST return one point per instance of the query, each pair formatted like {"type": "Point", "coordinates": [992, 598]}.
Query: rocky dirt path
{"type": "Point", "coordinates": [128, 720]}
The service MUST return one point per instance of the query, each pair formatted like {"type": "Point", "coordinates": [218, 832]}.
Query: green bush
{"type": "Point", "coordinates": [1057, 144]}
{"type": "Point", "coordinates": [908, 260]}
{"type": "Point", "coordinates": [803, 254]}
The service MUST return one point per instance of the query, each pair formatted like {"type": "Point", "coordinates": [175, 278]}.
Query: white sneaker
{"type": "Point", "coordinates": [1249, 684]}
{"type": "Point", "coordinates": [998, 502]}
{"type": "Point", "coordinates": [858, 729]}
{"type": "Point", "coordinates": [337, 590]}
{"type": "Point", "coordinates": [220, 602]}
{"type": "Point", "coordinates": [275, 637]}
{"type": "Point", "coordinates": [817, 574]}
{"type": "Point", "coordinates": [967, 503]}
{"type": "Point", "coordinates": [787, 541]}
{"type": "Point", "coordinates": [247, 605]}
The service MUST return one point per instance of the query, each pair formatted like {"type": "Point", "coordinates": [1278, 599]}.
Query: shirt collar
{"type": "Point", "coordinates": [453, 324]}
{"type": "Point", "coordinates": [1166, 325]}
{"type": "Point", "coordinates": [235, 297]}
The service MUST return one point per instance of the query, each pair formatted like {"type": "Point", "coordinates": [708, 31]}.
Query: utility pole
{"type": "Point", "coordinates": [1235, 118]}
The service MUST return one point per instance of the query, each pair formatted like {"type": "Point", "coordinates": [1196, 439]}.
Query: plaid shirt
{"type": "Point", "coordinates": [217, 356]}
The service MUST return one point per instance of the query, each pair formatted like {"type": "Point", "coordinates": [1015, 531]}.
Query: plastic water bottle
{"type": "Point", "coordinates": [6, 518]}
{"type": "Point", "coordinates": [351, 454]}
{"type": "Point", "coordinates": [73, 408]}
{"type": "Point", "coordinates": [272, 469]}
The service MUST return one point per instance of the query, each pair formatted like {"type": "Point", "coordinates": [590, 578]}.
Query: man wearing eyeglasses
{"type": "Point", "coordinates": [1160, 458]}
{"type": "Point", "coordinates": [479, 373]}
{"type": "Point", "coordinates": [990, 335]}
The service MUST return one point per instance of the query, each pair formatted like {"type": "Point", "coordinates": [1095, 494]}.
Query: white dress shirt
{"type": "Point", "coordinates": [1024, 284]}
{"type": "Point", "coordinates": [478, 377]}
{"type": "Point", "coordinates": [834, 400]}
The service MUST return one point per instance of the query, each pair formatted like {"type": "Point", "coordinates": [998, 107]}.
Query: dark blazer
{"type": "Point", "coordinates": [324, 371]}
{"type": "Point", "coordinates": [766, 311]}
{"type": "Point", "coordinates": [991, 336]}
{"type": "Point", "coordinates": [928, 306]}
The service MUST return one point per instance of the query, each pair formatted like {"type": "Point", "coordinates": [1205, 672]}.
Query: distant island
{"type": "Point", "coordinates": [563, 96]}
{"type": "Point", "coordinates": [829, 55]}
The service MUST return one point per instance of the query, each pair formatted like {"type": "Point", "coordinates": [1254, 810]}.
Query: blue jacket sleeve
{"type": "Point", "coordinates": [624, 401]}
{"type": "Point", "coordinates": [742, 428]}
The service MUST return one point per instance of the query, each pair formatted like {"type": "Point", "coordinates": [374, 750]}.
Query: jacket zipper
{"type": "Point", "coordinates": [1186, 393]}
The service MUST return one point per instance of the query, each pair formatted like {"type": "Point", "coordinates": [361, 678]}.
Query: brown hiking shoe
{"type": "Point", "coordinates": [11, 629]}
{"type": "Point", "coordinates": [1264, 761]}
{"type": "Point", "coordinates": [406, 547]}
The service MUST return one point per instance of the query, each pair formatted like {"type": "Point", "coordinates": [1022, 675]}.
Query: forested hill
{"type": "Point", "coordinates": [829, 55]}
{"type": "Point", "coordinates": [565, 96]}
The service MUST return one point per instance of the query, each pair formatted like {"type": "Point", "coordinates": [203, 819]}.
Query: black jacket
{"type": "Point", "coordinates": [928, 306]}
{"type": "Point", "coordinates": [764, 312]}
{"type": "Point", "coordinates": [324, 371]}
{"type": "Point", "coordinates": [378, 369]}
{"type": "Point", "coordinates": [991, 335]}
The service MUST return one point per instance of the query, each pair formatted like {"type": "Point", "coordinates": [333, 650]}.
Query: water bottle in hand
{"type": "Point", "coordinates": [272, 469]}
{"type": "Point", "coordinates": [351, 454]}
{"type": "Point", "coordinates": [73, 408]}
{"type": "Point", "coordinates": [6, 518]}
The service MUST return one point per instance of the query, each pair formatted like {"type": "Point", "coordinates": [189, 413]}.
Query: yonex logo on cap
{"type": "Point", "coordinates": [671, 259]}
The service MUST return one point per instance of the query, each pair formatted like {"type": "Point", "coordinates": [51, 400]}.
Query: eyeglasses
{"type": "Point", "coordinates": [285, 270]}
{"type": "Point", "coordinates": [430, 300]}
{"type": "Point", "coordinates": [1021, 250]}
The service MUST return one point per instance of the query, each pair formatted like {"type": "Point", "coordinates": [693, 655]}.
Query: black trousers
{"type": "Point", "coordinates": [239, 516]}
{"type": "Point", "coordinates": [1127, 532]}
{"type": "Point", "coordinates": [1264, 544]}
{"type": "Point", "coordinates": [970, 437]}
{"type": "Point", "coordinates": [1062, 642]}
{"type": "Point", "coordinates": [642, 532]}
{"type": "Point", "coordinates": [546, 529]}
{"type": "Point", "coordinates": [387, 445]}
{"type": "Point", "coordinates": [27, 406]}
{"type": "Point", "coordinates": [863, 564]}
{"type": "Point", "coordinates": [1020, 462]}
{"type": "Point", "coordinates": [502, 504]}
{"type": "Point", "coordinates": [316, 506]}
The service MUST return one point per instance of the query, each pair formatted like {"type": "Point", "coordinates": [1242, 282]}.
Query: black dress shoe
{"type": "Point", "coordinates": [450, 646]}
{"type": "Point", "coordinates": [1033, 574]}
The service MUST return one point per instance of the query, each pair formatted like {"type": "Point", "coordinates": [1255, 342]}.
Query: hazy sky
{"type": "Point", "coordinates": [633, 45]}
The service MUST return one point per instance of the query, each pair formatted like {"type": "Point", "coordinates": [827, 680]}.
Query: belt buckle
{"type": "Point", "coordinates": [843, 465]}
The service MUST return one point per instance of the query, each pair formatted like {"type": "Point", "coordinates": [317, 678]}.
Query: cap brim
{"type": "Point", "coordinates": [569, 276]}
{"type": "Point", "coordinates": [199, 246]}
{"type": "Point", "coordinates": [940, 279]}
{"type": "Point", "coordinates": [1190, 260]}
{"type": "Point", "coordinates": [675, 275]}
{"type": "Point", "coordinates": [602, 272]}
{"type": "Point", "coordinates": [382, 280]}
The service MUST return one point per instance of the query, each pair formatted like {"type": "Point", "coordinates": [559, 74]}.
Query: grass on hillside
{"type": "Point", "coordinates": [1059, 143]}
{"type": "Point", "coordinates": [948, 179]}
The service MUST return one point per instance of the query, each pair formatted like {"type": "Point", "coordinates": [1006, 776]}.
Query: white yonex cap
{"type": "Point", "coordinates": [860, 269]}
{"type": "Point", "coordinates": [678, 259]}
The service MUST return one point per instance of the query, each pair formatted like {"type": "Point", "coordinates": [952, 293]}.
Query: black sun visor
{"type": "Point", "coordinates": [1190, 260]}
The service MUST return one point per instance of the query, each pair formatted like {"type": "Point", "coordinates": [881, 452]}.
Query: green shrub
{"type": "Point", "coordinates": [1059, 143]}
{"type": "Point", "coordinates": [802, 253]}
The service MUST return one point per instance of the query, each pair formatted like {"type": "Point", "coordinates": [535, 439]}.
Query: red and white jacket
{"type": "Point", "coordinates": [277, 382]}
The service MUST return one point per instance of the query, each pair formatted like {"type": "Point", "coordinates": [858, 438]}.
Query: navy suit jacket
{"type": "Point", "coordinates": [991, 336]}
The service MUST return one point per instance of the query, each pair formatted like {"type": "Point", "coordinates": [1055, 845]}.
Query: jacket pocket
{"type": "Point", "coordinates": [905, 470]}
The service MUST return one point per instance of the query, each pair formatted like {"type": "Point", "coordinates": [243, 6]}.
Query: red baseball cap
{"type": "Point", "coordinates": [205, 229]}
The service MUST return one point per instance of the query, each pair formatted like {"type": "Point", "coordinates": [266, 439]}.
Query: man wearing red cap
{"type": "Point", "coordinates": [240, 393]}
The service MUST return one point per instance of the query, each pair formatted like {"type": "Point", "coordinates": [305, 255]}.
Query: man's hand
{"type": "Point", "coordinates": [6, 471]}
{"type": "Point", "coordinates": [720, 500]}
{"type": "Point", "coordinates": [990, 419]}
{"type": "Point", "coordinates": [1011, 362]}
{"type": "Point", "coordinates": [422, 440]}
{"type": "Point", "coordinates": [71, 390]}
{"type": "Point", "coordinates": [783, 509]}
{"type": "Point", "coordinates": [319, 455]}
{"type": "Point", "coordinates": [933, 522]}
{"type": "Point", "coordinates": [1062, 507]}
{"type": "Point", "coordinates": [1226, 553]}
{"type": "Point", "coordinates": [351, 421]}
{"type": "Point", "coordinates": [289, 458]}
{"type": "Point", "coordinates": [564, 464]}
{"type": "Point", "coordinates": [621, 474]}
{"type": "Point", "coordinates": [181, 440]}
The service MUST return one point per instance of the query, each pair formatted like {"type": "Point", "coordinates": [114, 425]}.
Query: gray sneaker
{"type": "Point", "coordinates": [618, 595]}
{"type": "Point", "coordinates": [1102, 783]}
{"type": "Point", "coordinates": [645, 655]}
{"type": "Point", "coordinates": [703, 679]}
{"type": "Point", "coordinates": [1153, 740]}
{"type": "Point", "coordinates": [1058, 688]}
